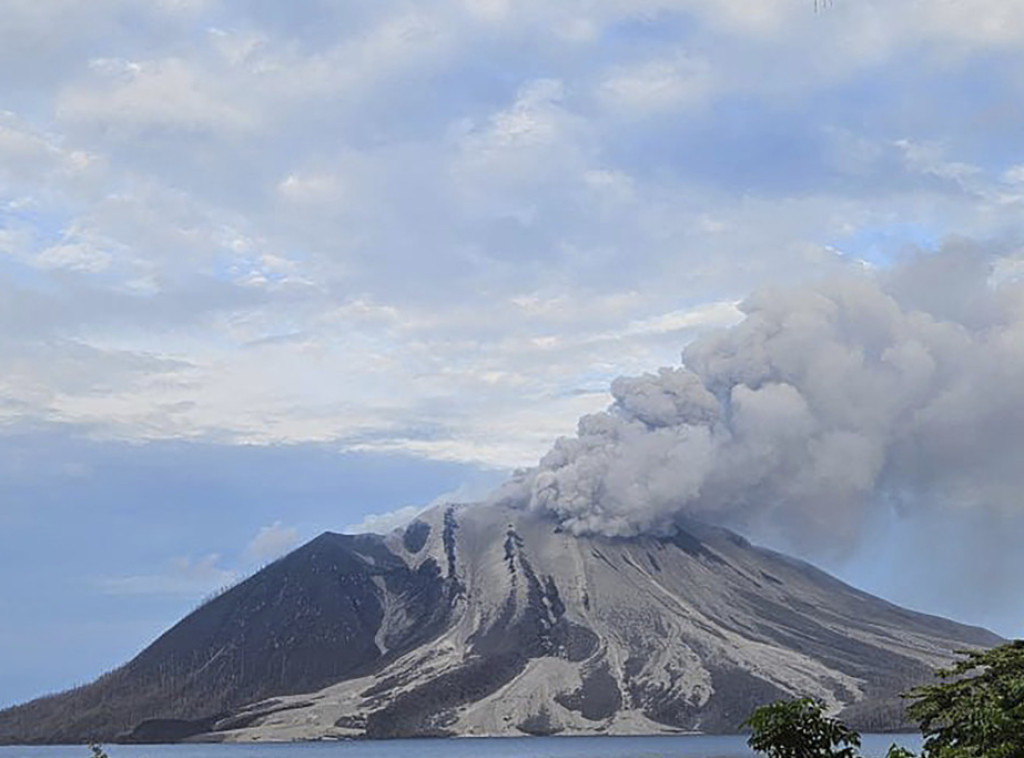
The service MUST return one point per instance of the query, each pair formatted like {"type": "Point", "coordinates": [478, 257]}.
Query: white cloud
{"type": "Point", "coordinates": [310, 188]}
{"type": "Point", "coordinates": [160, 94]}
{"type": "Point", "coordinates": [499, 407]}
{"type": "Point", "coordinates": [185, 576]}
{"type": "Point", "coordinates": [31, 158]}
{"type": "Point", "coordinates": [1014, 174]}
{"type": "Point", "coordinates": [382, 523]}
{"type": "Point", "coordinates": [271, 542]}
{"type": "Point", "coordinates": [980, 24]}
{"type": "Point", "coordinates": [657, 85]}
{"type": "Point", "coordinates": [535, 138]}
{"type": "Point", "coordinates": [492, 11]}
{"type": "Point", "coordinates": [758, 18]}
{"type": "Point", "coordinates": [355, 233]}
{"type": "Point", "coordinates": [75, 257]}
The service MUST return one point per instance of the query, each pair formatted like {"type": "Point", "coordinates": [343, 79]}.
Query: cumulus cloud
{"type": "Point", "coordinates": [828, 404]}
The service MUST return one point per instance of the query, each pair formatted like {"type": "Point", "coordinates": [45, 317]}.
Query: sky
{"type": "Point", "coordinates": [271, 268]}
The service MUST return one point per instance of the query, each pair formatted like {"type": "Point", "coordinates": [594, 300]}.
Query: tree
{"type": "Point", "coordinates": [800, 729]}
{"type": "Point", "coordinates": [895, 751]}
{"type": "Point", "coordinates": [979, 713]}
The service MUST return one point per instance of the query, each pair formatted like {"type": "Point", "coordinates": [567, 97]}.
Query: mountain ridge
{"type": "Point", "coordinates": [492, 620]}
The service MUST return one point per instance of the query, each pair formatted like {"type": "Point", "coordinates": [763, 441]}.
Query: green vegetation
{"type": "Point", "coordinates": [977, 711]}
{"type": "Point", "coordinates": [799, 729]}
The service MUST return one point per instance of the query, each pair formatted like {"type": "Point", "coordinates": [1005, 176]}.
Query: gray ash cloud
{"type": "Point", "coordinates": [900, 389]}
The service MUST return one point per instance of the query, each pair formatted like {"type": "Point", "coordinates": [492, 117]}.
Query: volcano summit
{"type": "Point", "coordinates": [493, 620]}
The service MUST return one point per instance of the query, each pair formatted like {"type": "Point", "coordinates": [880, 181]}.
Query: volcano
{"type": "Point", "coordinates": [492, 620]}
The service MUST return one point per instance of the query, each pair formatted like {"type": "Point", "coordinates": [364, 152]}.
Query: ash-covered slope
{"type": "Point", "coordinates": [308, 620]}
{"type": "Point", "coordinates": [489, 620]}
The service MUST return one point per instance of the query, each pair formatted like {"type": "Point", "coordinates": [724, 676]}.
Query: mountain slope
{"type": "Point", "coordinates": [302, 623]}
{"type": "Point", "coordinates": [486, 620]}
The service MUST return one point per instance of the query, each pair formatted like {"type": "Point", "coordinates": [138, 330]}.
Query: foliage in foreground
{"type": "Point", "coordinates": [977, 712]}
{"type": "Point", "coordinates": [800, 729]}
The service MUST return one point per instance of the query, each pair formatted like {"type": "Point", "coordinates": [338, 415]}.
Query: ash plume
{"type": "Point", "coordinates": [827, 405]}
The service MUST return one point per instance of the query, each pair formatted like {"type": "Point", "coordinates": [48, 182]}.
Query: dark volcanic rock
{"type": "Point", "coordinates": [305, 621]}
{"type": "Point", "coordinates": [598, 698]}
{"type": "Point", "coordinates": [163, 731]}
{"type": "Point", "coordinates": [487, 620]}
{"type": "Point", "coordinates": [415, 536]}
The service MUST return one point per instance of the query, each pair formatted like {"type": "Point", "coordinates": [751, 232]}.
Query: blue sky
{"type": "Point", "coordinates": [268, 269]}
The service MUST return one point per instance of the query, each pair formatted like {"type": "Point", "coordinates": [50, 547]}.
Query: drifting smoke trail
{"type": "Point", "coordinates": [826, 405]}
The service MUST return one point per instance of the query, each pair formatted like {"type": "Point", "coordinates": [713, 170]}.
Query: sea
{"type": "Point", "coordinates": [686, 746]}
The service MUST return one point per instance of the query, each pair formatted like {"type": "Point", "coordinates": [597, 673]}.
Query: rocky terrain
{"type": "Point", "coordinates": [486, 620]}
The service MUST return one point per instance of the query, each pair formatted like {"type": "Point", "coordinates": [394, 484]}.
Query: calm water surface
{"type": "Point", "coordinates": [875, 746]}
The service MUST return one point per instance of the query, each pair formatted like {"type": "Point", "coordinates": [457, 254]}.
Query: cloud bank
{"type": "Point", "coordinates": [827, 405]}
{"type": "Point", "coordinates": [204, 205]}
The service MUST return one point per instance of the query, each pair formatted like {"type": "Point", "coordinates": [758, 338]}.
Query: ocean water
{"type": "Point", "coordinates": [874, 746]}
